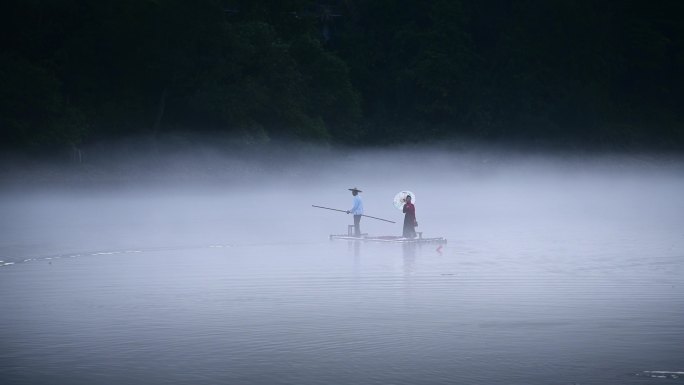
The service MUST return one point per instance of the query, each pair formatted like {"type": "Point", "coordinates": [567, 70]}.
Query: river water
{"type": "Point", "coordinates": [548, 277]}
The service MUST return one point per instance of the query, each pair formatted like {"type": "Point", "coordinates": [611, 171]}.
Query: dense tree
{"type": "Point", "coordinates": [573, 72]}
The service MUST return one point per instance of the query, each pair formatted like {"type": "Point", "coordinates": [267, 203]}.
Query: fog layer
{"type": "Point", "coordinates": [488, 202]}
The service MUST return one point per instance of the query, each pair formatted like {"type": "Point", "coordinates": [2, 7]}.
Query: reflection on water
{"type": "Point", "coordinates": [409, 253]}
{"type": "Point", "coordinates": [354, 247]}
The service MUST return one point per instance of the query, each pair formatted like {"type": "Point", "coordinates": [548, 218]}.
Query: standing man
{"type": "Point", "coordinates": [357, 210]}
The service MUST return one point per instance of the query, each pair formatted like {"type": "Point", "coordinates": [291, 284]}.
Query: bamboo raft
{"type": "Point", "coordinates": [386, 238]}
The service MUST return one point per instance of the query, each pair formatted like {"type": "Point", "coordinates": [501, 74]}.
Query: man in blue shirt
{"type": "Point", "coordinates": [357, 210]}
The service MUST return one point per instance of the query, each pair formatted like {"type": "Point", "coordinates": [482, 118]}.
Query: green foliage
{"type": "Point", "coordinates": [30, 104]}
{"type": "Point", "coordinates": [577, 72]}
{"type": "Point", "coordinates": [331, 96]}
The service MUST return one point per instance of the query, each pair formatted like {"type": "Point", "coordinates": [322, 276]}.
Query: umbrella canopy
{"type": "Point", "coordinates": [400, 199]}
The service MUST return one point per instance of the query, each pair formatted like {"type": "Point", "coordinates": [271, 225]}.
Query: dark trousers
{"type": "Point", "coordinates": [357, 225]}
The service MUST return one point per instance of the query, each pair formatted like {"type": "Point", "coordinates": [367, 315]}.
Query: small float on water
{"type": "Point", "coordinates": [386, 238]}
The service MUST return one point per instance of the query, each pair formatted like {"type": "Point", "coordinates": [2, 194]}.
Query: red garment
{"type": "Point", "coordinates": [410, 211]}
{"type": "Point", "coordinates": [409, 221]}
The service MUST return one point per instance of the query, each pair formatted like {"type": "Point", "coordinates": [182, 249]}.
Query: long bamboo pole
{"type": "Point", "coordinates": [344, 211]}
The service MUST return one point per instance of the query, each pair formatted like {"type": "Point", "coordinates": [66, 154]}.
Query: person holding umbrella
{"type": "Point", "coordinates": [410, 221]}
{"type": "Point", "coordinates": [357, 210]}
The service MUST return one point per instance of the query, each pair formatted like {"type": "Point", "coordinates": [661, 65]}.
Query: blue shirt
{"type": "Point", "coordinates": [358, 206]}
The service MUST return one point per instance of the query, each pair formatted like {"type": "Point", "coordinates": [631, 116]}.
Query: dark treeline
{"type": "Point", "coordinates": [581, 73]}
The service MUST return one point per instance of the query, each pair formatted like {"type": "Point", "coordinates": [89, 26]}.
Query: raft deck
{"type": "Point", "coordinates": [386, 238]}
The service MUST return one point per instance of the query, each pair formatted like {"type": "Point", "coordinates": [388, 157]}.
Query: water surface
{"type": "Point", "coordinates": [549, 277]}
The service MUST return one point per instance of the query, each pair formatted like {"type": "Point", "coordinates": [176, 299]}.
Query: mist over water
{"type": "Point", "coordinates": [558, 269]}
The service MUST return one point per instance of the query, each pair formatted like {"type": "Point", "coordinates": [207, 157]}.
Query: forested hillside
{"type": "Point", "coordinates": [365, 72]}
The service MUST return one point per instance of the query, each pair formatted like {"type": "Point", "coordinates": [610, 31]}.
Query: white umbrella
{"type": "Point", "coordinates": [400, 199]}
